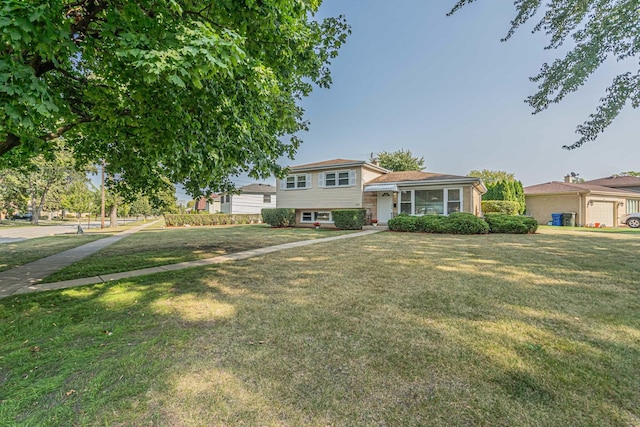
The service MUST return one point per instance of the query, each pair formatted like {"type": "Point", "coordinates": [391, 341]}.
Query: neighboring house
{"type": "Point", "coordinates": [627, 183]}
{"type": "Point", "coordinates": [315, 189]}
{"type": "Point", "coordinates": [208, 204]}
{"type": "Point", "coordinates": [592, 204]}
{"type": "Point", "coordinates": [251, 199]}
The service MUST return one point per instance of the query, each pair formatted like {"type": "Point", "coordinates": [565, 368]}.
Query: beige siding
{"type": "Point", "coordinates": [541, 207]}
{"type": "Point", "coordinates": [368, 175]}
{"type": "Point", "coordinates": [318, 198]}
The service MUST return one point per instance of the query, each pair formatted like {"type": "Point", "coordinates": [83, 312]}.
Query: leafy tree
{"type": "Point", "coordinates": [491, 177]}
{"type": "Point", "coordinates": [628, 173]}
{"type": "Point", "coordinates": [13, 195]}
{"type": "Point", "coordinates": [141, 206]}
{"type": "Point", "coordinates": [78, 198]}
{"type": "Point", "coordinates": [43, 177]}
{"type": "Point", "coordinates": [401, 160]}
{"type": "Point", "coordinates": [598, 30]}
{"type": "Point", "coordinates": [192, 90]}
{"type": "Point", "coordinates": [510, 190]}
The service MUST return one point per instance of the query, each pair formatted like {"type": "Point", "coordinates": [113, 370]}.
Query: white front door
{"type": "Point", "coordinates": [385, 206]}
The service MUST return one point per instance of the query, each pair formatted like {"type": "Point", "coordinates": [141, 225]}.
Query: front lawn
{"type": "Point", "coordinates": [25, 251]}
{"type": "Point", "coordinates": [389, 329]}
{"type": "Point", "coordinates": [155, 247]}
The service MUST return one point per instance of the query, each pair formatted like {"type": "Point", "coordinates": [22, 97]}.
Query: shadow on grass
{"type": "Point", "coordinates": [386, 330]}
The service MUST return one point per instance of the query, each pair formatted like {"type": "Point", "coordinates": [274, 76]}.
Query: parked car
{"type": "Point", "coordinates": [26, 216]}
{"type": "Point", "coordinates": [631, 219]}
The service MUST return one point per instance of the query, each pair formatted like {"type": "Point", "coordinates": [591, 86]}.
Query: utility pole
{"type": "Point", "coordinates": [103, 199]}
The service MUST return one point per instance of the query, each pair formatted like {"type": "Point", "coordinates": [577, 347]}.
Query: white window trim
{"type": "Point", "coordinates": [313, 214]}
{"type": "Point", "coordinates": [308, 182]}
{"type": "Point", "coordinates": [322, 178]}
{"type": "Point", "coordinates": [445, 194]}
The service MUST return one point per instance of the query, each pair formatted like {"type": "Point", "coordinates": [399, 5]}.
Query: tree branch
{"type": "Point", "coordinates": [63, 129]}
{"type": "Point", "coordinates": [10, 141]}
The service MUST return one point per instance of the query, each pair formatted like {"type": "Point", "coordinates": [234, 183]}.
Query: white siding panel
{"type": "Point", "coordinates": [250, 203]}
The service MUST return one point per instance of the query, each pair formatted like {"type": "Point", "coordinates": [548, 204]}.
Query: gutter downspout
{"type": "Point", "coordinates": [580, 205]}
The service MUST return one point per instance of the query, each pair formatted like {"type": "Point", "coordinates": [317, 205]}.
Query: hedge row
{"type": "Point", "coordinates": [349, 219]}
{"type": "Point", "coordinates": [506, 207]}
{"type": "Point", "coordinates": [279, 217]}
{"type": "Point", "coordinates": [511, 224]}
{"type": "Point", "coordinates": [464, 223]}
{"type": "Point", "coordinates": [456, 223]}
{"type": "Point", "coordinates": [177, 220]}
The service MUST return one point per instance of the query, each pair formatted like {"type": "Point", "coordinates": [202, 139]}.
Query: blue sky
{"type": "Point", "coordinates": [446, 88]}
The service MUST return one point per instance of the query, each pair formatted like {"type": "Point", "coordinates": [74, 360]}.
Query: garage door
{"type": "Point", "coordinates": [601, 212]}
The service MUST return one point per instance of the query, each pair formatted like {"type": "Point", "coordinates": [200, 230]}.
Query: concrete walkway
{"type": "Point", "coordinates": [34, 287]}
{"type": "Point", "coordinates": [16, 279]}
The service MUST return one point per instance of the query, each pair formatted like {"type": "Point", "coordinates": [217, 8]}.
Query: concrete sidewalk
{"type": "Point", "coordinates": [11, 281]}
{"type": "Point", "coordinates": [172, 267]}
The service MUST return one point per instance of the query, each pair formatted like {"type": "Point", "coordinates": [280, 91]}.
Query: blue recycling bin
{"type": "Point", "coordinates": [556, 219]}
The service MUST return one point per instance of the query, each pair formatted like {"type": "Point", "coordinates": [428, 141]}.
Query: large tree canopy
{"type": "Point", "coordinates": [599, 30]}
{"type": "Point", "coordinates": [400, 160]}
{"type": "Point", "coordinates": [193, 90]}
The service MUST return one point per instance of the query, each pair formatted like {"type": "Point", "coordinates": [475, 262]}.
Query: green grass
{"type": "Point", "coordinates": [26, 251]}
{"type": "Point", "coordinates": [388, 329]}
{"type": "Point", "coordinates": [155, 247]}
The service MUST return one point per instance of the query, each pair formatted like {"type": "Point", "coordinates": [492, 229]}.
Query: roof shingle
{"type": "Point", "coordinates": [406, 176]}
{"type": "Point", "coordinates": [566, 187]}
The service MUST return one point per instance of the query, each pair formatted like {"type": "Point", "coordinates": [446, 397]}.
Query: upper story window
{"type": "Point", "coordinates": [293, 182]}
{"type": "Point", "coordinates": [338, 178]}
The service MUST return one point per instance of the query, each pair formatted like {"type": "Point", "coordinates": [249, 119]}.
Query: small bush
{"type": "Point", "coordinates": [466, 223]}
{"type": "Point", "coordinates": [403, 222]}
{"type": "Point", "coordinates": [349, 219]}
{"type": "Point", "coordinates": [178, 220]}
{"type": "Point", "coordinates": [279, 217]}
{"type": "Point", "coordinates": [431, 223]}
{"type": "Point", "coordinates": [510, 224]}
{"type": "Point", "coordinates": [506, 207]}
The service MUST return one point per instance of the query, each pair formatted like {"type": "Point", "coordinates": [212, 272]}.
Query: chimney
{"type": "Point", "coordinates": [568, 178]}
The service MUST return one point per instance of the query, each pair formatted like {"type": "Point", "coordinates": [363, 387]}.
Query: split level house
{"type": "Point", "coordinates": [600, 201]}
{"type": "Point", "coordinates": [316, 189]}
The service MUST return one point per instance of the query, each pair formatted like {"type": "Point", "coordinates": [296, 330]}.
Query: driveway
{"type": "Point", "coordinates": [14, 234]}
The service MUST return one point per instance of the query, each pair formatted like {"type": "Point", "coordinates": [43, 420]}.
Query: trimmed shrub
{"type": "Point", "coordinates": [456, 223]}
{"type": "Point", "coordinates": [279, 217]}
{"type": "Point", "coordinates": [510, 224]}
{"type": "Point", "coordinates": [466, 223]}
{"type": "Point", "coordinates": [349, 219]}
{"type": "Point", "coordinates": [403, 222]}
{"type": "Point", "coordinates": [506, 207]}
{"type": "Point", "coordinates": [178, 220]}
{"type": "Point", "coordinates": [431, 223]}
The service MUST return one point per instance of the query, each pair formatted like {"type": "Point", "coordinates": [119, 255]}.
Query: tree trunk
{"type": "Point", "coordinates": [35, 213]}
{"type": "Point", "coordinates": [113, 216]}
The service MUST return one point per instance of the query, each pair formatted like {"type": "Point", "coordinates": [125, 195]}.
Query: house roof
{"type": "Point", "coordinates": [201, 204]}
{"type": "Point", "coordinates": [405, 176]}
{"type": "Point", "coordinates": [336, 163]}
{"type": "Point", "coordinates": [555, 187]}
{"type": "Point", "coordinates": [617, 181]}
{"type": "Point", "coordinates": [258, 189]}
{"type": "Point", "coordinates": [420, 177]}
